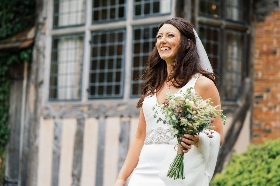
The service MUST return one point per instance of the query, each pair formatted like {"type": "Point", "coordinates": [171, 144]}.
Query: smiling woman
{"type": "Point", "coordinates": [168, 42]}
{"type": "Point", "coordinates": [173, 65]}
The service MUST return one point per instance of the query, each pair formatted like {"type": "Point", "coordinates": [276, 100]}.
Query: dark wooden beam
{"type": "Point", "coordinates": [223, 24]}
{"type": "Point", "coordinates": [179, 8]}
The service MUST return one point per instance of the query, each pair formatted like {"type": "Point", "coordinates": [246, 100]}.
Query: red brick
{"type": "Point", "coordinates": [267, 75]}
{"type": "Point", "coordinates": [276, 13]}
{"type": "Point", "coordinates": [265, 52]}
{"type": "Point", "coordinates": [263, 42]}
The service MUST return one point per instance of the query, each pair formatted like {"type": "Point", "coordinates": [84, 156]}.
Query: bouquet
{"type": "Point", "coordinates": [186, 113]}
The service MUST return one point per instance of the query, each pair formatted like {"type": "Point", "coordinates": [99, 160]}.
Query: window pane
{"type": "Point", "coordinates": [107, 75]}
{"type": "Point", "coordinates": [66, 68]}
{"type": "Point", "coordinates": [144, 8]}
{"type": "Point", "coordinates": [210, 8]}
{"type": "Point", "coordinates": [105, 10]}
{"type": "Point", "coordinates": [210, 37]}
{"type": "Point", "coordinates": [68, 13]}
{"type": "Point", "coordinates": [135, 89]}
{"type": "Point", "coordinates": [234, 10]}
{"type": "Point", "coordinates": [234, 69]}
{"type": "Point", "coordinates": [143, 43]}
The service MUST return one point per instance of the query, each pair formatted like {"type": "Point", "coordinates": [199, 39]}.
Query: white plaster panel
{"type": "Point", "coordinates": [66, 152]}
{"type": "Point", "coordinates": [89, 152]}
{"type": "Point", "coordinates": [112, 132]}
{"type": "Point", "coordinates": [45, 152]}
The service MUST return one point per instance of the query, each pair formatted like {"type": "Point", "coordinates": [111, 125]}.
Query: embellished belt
{"type": "Point", "coordinates": [158, 136]}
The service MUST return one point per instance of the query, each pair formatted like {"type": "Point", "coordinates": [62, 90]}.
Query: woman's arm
{"type": "Point", "coordinates": [133, 152]}
{"type": "Point", "coordinates": [206, 89]}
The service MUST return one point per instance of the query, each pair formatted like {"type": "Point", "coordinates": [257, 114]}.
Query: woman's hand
{"type": "Point", "coordinates": [119, 182]}
{"type": "Point", "coordinates": [188, 140]}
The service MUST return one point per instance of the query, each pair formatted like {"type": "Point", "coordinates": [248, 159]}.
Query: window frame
{"type": "Point", "coordinates": [219, 65]}
{"type": "Point", "coordinates": [151, 15]}
{"type": "Point", "coordinates": [110, 21]}
{"type": "Point", "coordinates": [244, 65]}
{"type": "Point", "coordinates": [132, 80]}
{"type": "Point", "coordinates": [225, 25]}
{"type": "Point", "coordinates": [68, 26]}
{"type": "Point", "coordinates": [123, 62]}
{"type": "Point", "coordinates": [81, 72]}
{"type": "Point", "coordinates": [87, 29]}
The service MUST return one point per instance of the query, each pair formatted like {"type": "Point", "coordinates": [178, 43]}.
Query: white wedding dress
{"type": "Point", "coordinates": [159, 151]}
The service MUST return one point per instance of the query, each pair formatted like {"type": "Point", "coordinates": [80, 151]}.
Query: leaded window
{"type": "Point", "coordinates": [210, 37]}
{"type": "Point", "coordinates": [234, 10]}
{"type": "Point", "coordinates": [235, 64]}
{"type": "Point", "coordinates": [107, 64]}
{"type": "Point", "coordinates": [144, 8]}
{"type": "Point", "coordinates": [99, 49]}
{"type": "Point", "coordinates": [68, 13]}
{"type": "Point", "coordinates": [143, 43]}
{"type": "Point", "coordinates": [66, 68]}
{"type": "Point", "coordinates": [210, 8]}
{"type": "Point", "coordinates": [105, 10]}
{"type": "Point", "coordinates": [223, 31]}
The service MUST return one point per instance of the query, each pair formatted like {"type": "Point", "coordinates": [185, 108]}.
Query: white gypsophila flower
{"type": "Point", "coordinates": [192, 104]}
{"type": "Point", "coordinates": [173, 132]}
{"type": "Point", "coordinates": [185, 122]}
{"type": "Point", "coordinates": [172, 103]}
{"type": "Point", "coordinates": [187, 101]}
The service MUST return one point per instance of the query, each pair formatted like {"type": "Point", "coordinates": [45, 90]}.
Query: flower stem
{"type": "Point", "coordinates": [176, 169]}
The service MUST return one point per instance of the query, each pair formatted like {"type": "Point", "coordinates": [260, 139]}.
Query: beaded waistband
{"type": "Point", "coordinates": [158, 136]}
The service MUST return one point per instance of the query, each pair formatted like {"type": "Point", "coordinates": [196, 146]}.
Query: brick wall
{"type": "Point", "coordinates": [266, 117]}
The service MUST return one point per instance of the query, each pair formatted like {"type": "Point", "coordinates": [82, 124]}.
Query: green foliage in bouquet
{"type": "Point", "coordinates": [186, 113]}
{"type": "Point", "coordinates": [259, 165]}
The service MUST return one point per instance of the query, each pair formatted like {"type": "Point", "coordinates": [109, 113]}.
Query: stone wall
{"type": "Point", "coordinates": [266, 107]}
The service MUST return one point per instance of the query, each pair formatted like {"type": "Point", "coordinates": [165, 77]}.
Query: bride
{"type": "Point", "coordinates": [177, 62]}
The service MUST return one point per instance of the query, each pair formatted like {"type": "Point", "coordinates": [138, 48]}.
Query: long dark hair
{"type": "Point", "coordinates": [186, 63]}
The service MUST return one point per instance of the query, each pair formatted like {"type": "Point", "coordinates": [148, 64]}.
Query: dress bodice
{"type": "Point", "coordinates": [156, 131]}
{"type": "Point", "coordinates": [159, 152]}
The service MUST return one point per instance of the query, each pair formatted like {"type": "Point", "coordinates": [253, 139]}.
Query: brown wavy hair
{"type": "Point", "coordinates": [186, 63]}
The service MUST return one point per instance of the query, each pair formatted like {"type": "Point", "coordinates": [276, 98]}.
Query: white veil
{"type": "Point", "coordinates": [204, 61]}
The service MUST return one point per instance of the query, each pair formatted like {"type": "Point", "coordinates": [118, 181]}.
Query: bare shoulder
{"type": "Point", "coordinates": [206, 88]}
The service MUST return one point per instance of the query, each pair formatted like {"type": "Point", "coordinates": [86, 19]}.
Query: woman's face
{"type": "Point", "coordinates": [168, 42]}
